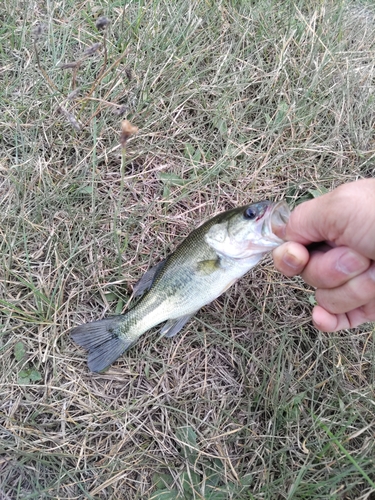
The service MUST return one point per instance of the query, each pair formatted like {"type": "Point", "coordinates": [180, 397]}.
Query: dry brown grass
{"type": "Point", "coordinates": [239, 103]}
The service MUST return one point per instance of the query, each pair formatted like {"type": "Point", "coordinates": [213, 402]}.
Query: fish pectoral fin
{"type": "Point", "coordinates": [147, 279]}
{"type": "Point", "coordinates": [173, 326]}
{"type": "Point", "coordinates": [228, 285]}
{"type": "Point", "coordinates": [207, 267]}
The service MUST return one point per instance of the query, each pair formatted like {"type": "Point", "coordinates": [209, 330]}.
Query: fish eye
{"type": "Point", "coordinates": [250, 213]}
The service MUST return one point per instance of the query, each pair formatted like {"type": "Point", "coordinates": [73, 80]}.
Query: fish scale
{"type": "Point", "coordinates": [204, 265]}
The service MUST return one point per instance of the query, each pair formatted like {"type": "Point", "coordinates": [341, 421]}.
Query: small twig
{"type": "Point", "coordinates": [96, 83]}
{"type": "Point", "coordinates": [127, 130]}
{"type": "Point", "coordinates": [46, 77]}
{"type": "Point", "coordinates": [69, 116]}
{"type": "Point", "coordinates": [74, 74]}
{"type": "Point", "coordinates": [102, 23]}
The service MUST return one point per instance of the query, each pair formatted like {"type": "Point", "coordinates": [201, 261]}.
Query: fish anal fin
{"type": "Point", "coordinates": [144, 283]}
{"type": "Point", "coordinates": [173, 326]}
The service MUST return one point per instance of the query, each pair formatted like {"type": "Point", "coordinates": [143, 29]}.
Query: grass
{"type": "Point", "coordinates": [235, 101]}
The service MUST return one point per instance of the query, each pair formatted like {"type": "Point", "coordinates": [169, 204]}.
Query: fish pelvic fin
{"type": "Point", "coordinates": [103, 340]}
{"type": "Point", "coordinates": [173, 326]}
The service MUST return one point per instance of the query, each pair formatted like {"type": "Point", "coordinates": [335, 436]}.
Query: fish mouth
{"type": "Point", "coordinates": [277, 217]}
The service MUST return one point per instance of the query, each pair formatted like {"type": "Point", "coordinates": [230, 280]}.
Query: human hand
{"type": "Point", "coordinates": [342, 267]}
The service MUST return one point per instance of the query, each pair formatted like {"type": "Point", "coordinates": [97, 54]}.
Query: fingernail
{"type": "Point", "coordinates": [317, 324]}
{"type": "Point", "coordinates": [291, 261]}
{"type": "Point", "coordinates": [280, 231]}
{"type": "Point", "coordinates": [371, 272]}
{"type": "Point", "coordinates": [351, 262]}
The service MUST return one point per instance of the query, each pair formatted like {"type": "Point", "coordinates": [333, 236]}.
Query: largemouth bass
{"type": "Point", "coordinates": [211, 259]}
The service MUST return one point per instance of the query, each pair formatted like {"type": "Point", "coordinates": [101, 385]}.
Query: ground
{"type": "Point", "coordinates": [235, 101]}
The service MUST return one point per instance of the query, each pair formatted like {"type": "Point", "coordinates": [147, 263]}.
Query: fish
{"type": "Point", "coordinates": [210, 260]}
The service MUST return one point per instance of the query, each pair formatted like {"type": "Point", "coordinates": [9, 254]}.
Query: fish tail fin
{"type": "Point", "coordinates": [104, 340]}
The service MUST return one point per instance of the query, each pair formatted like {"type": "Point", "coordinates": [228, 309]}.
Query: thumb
{"type": "Point", "coordinates": [311, 222]}
{"type": "Point", "coordinates": [344, 217]}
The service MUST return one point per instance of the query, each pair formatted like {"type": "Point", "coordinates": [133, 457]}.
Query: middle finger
{"type": "Point", "coordinates": [334, 268]}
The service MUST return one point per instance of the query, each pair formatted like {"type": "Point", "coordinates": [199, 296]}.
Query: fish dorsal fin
{"type": "Point", "coordinates": [173, 326]}
{"type": "Point", "coordinates": [147, 279]}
